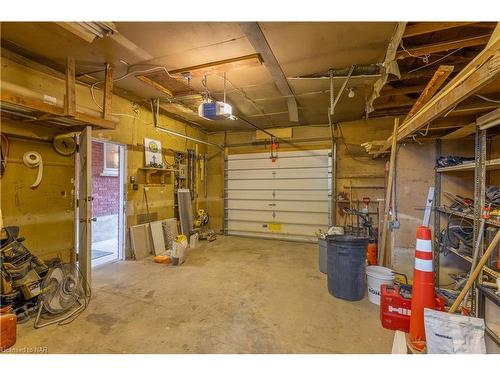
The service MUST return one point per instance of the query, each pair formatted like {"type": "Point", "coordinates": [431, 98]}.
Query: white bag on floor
{"type": "Point", "coordinates": [453, 334]}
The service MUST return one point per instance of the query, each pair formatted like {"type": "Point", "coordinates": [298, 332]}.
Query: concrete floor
{"type": "Point", "coordinates": [233, 295]}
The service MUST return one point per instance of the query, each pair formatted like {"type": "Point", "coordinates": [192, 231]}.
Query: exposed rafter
{"type": "Point", "coordinates": [221, 66]}
{"type": "Point", "coordinates": [483, 69]}
{"type": "Point", "coordinates": [430, 27]}
{"type": "Point", "coordinates": [431, 88]}
{"type": "Point", "coordinates": [427, 49]}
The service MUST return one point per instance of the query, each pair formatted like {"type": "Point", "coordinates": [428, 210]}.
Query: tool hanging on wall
{"type": "Point", "coordinates": [65, 144]}
{"type": "Point", "coordinates": [33, 159]}
{"type": "Point", "coordinates": [191, 169]}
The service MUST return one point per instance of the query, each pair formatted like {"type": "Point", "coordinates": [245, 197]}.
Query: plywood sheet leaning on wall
{"type": "Point", "coordinates": [141, 241]}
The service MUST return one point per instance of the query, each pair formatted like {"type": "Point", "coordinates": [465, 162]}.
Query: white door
{"type": "Point", "coordinates": [286, 199]}
{"type": "Point", "coordinates": [85, 203]}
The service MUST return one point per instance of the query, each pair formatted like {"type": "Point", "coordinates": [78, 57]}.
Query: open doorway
{"type": "Point", "coordinates": [107, 205]}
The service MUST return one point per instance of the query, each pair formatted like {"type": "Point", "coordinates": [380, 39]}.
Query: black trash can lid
{"type": "Point", "coordinates": [347, 238]}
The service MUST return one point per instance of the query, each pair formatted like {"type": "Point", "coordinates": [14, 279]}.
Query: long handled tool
{"type": "Point", "coordinates": [485, 216]}
{"type": "Point", "coordinates": [475, 273]}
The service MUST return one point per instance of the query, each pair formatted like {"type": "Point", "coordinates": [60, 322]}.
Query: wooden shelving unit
{"type": "Point", "coordinates": [21, 108]}
{"type": "Point", "coordinates": [446, 210]}
{"type": "Point", "coordinates": [470, 166]}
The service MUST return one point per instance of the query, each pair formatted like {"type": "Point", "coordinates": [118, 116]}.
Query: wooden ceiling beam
{"type": "Point", "coordinates": [430, 27]}
{"type": "Point", "coordinates": [423, 73]}
{"type": "Point", "coordinates": [221, 66]}
{"type": "Point", "coordinates": [473, 108]}
{"type": "Point", "coordinates": [484, 69]}
{"type": "Point", "coordinates": [156, 85]}
{"type": "Point", "coordinates": [431, 88]}
{"type": "Point", "coordinates": [416, 51]}
{"type": "Point", "coordinates": [462, 132]}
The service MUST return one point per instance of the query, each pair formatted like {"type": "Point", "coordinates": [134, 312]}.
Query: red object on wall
{"type": "Point", "coordinates": [106, 189]}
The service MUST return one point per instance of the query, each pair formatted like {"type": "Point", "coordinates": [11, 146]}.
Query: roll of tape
{"type": "Point", "coordinates": [33, 159]}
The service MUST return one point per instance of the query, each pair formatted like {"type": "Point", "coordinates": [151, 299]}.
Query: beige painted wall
{"type": "Point", "coordinates": [37, 211]}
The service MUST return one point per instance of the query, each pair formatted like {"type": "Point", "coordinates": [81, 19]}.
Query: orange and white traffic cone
{"type": "Point", "coordinates": [423, 293]}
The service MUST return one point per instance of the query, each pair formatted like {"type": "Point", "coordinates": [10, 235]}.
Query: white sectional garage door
{"type": "Point", "coordinates": [288, 199]}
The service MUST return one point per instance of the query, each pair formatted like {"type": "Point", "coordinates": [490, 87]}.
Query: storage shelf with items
{"type": "Point", "coordinates": [470, 217]}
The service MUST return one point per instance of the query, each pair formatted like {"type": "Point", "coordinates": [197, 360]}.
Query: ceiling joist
{"type": "Point", "coordinates": [221, 66]}
{"type": "Point", "coordinates": [422, 28]}
{"type": "Point", "coordinates": [428, 49]}
{"type": "Point", "coordinates": [483, 69]}
{"type": "Point", "coordinates": [437, 80]}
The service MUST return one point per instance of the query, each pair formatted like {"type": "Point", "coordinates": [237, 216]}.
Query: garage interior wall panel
{"type": "Point", "coordinates": [287, 199]}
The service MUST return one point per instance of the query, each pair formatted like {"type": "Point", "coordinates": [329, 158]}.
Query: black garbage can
{"type": "Point", "coordinates": [346, 266]}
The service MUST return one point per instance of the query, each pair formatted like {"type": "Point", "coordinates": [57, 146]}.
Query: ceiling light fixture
{"type": "Point", "coordinates": [351, 93]}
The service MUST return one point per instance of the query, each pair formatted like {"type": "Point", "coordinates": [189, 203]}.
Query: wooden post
{"type": "Point", "coordinates": [70, 102]}
{"type": "Point", "coordinates": [388, 193]}
{"type": "Point", "coordinates": [108, 93]}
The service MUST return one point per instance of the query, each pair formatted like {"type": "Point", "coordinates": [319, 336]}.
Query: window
{"type": "Point", "coordinates": [111, 157]}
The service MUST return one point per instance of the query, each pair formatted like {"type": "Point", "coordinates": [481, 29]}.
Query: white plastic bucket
{"type": "Point", "coordinates": [376, 276]}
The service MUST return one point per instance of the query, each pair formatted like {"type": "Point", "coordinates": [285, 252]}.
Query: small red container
{"type": "Point", "coordinates": [371, 254]}
{"type": "Point", "coordinates": [8, 321]}
{"type": "Point", "coordinates": [395, 307]}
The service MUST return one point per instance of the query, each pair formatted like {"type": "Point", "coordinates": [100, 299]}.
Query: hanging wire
{"type": "Point", "coordinates": [487, 99]}
{"type": "Point", "coordinates": [424, 58]}
{"type": "Point", "coordinates": [432, 63]}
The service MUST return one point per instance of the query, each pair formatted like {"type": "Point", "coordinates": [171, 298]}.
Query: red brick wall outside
{"type": "Point", "coordinates": [106, 189]}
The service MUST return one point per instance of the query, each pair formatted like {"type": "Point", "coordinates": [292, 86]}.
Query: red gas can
{"type": "Point", "coordinates": [395, 307]}
{"type": "Point", "coordinates": [8, 321]}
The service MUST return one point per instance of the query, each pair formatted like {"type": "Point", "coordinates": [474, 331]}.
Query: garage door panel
{"type": "Point", "coordinates": [292, 162]}
{"type": "Point", "coordinates": [305, 218]}
{"type": "Point", "coordinates": [279, 173]}
{"type": "Point", "coordinates": [307, 195]}
{"type": "Point", "coordinates": [285, 229]}
{"type": "Point", "coordinates": [282, 155]}
{"type": "Point", "coordinates": [289, 184]}
{"type": "Point", "coordinates": [286, 199]}
{"type": "Point", "coordinates": [279, 205]}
